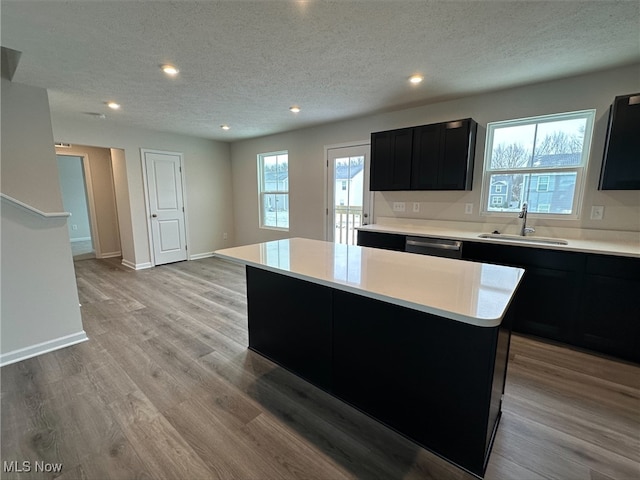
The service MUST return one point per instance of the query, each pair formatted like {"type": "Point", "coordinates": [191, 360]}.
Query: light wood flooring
{"type": "Point", "coordinates": [166, 388]}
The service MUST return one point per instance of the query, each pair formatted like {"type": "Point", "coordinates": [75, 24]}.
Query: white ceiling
{"type": "Point", "coordinates": [244, 63]}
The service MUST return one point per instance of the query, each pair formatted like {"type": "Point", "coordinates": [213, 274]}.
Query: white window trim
{"type": "Point", "coordinates": [581, 170]}
{"type": "Point", "coordinates": [262, 193]}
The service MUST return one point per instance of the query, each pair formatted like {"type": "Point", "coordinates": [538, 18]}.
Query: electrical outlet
{"type": "Point", "coordinates": [468, 208]}
{"type": "Point", "coordinates": [225, 236]}
{"type": "Point", "coordinates": [399, 206]}
{"type": "Point", "coordinates": [597, 212]}
{"type": "Point", "coordinates": [74, 227]}
{"type": "Point", "coordinates": [416, 207]}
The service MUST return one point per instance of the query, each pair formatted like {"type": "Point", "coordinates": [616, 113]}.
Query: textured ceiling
{"type": "Point", "coordinates": [244, 63]}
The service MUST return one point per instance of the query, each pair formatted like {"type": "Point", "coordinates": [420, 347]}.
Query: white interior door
{"type": "Point", "coordinates": [348, 195]}
{"type": "Point", "coordinates": [166, 206]}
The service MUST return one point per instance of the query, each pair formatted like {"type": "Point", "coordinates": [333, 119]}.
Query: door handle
{"type": "Point", "coordinates": [153, 215]}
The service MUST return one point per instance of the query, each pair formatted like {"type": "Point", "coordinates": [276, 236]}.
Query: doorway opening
{"type": "Point", "coordinates": [73, 186]}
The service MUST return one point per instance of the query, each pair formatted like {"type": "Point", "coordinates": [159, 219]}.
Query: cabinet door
{"type": "Point", "coordinates": [386, 241]}
{"type": "Point", "coordinates": [426, 159]}
{"type": "Point", "coordinates": [295, 333]}
{"type": "Point", "coordinates": [455, 171]}
{"type": "Point", "coordinates": [611, 305]}
{"type": "Point", "coordinates": [423, 375]}
{"type": "Point", "coordinates": [391, 159]}
{"type": "Point", "coordinates": [609, 323]}
{"type": "Point", "coordinates": [621, 163]}
{"type": "Point", "coordinates": [443, 156]}
{"type": "Point", "coordinates": [546, 304]}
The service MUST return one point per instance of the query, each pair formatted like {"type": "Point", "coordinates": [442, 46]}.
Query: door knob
{"type": "Point", "coordinates": [154, 215]}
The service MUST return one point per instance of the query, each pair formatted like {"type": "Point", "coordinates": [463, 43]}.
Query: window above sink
{"type": "Point", "coordinates": [539, 160]}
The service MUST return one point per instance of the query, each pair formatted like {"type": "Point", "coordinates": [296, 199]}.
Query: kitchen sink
{"type": "Point", "coordinates": [520, 238]}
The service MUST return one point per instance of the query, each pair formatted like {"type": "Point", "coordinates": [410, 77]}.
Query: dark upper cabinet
{"type": "Point", "coordinates": [391, 159]}
{"type": "Point", "coordinates": [428, 157]}
{"type": "Point", "coordinates": [443, 156]}
{"type": "Point", "coordinates": [621, 163]}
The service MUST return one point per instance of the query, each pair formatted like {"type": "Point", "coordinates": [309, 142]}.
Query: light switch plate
{"type": "Point", "coordinates": [416, 207]}
{"type": "Point", "coordinates": [597, 212]}
{"type": "Point", "coordinates": [468, 208]}
{"type": "Point", "coordinates": [399, 206]}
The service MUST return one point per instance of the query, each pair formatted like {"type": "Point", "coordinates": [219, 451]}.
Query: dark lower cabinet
{"type": "Point", "coordinates": [548, 302]}
{"type": "Point", "coordinates": [386, 241]}
{"type": "Point", "coordinates": [437, 381]}
{"type": "Point", "coordinates": [550, 291]}
{"type": "Point", "coordinates": [424, 376]}
{"type": "Point", "coordinates": [610, 314]}
{"type": "Point", "coordinates": [289, 332]}
{"type": "Point", "coordinates": [586, 300]}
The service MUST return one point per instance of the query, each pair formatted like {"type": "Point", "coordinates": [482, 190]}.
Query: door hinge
{"type": "Point", "coordinates": [185, 246]}
{"type": "Point", "coordinates": [180, 167]}
{"type": "Point", "coordinates": [327, 213]}
{"type": "Point", "coordinates": [183, 209]}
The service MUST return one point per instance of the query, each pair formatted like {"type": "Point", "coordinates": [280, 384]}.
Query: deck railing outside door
{"type": "Point", "coordinates": [347, 220]}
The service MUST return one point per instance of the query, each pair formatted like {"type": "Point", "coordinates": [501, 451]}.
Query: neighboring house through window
{"type": "Point", "coordinates": [273, 189]}
{"type": "Point", "coordinates": [538, 160]}
{"type": "Point", "coordinates": [349, 178]}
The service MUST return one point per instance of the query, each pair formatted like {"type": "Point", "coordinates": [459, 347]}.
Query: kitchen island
{"type": "Point", "coordinates": [419, 343]}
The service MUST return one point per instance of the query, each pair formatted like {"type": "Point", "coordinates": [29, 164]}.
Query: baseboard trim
{"type": "Point", "coordinates": [42, 348]}
{"type": "Point", "coordinates": [80, 239]}
{"type": "Point", "coordinates": [110, 255]}
{"type": "Point", "coordinates": [198, 256]}
{"type": "Point", "coordinates": [136, 266]}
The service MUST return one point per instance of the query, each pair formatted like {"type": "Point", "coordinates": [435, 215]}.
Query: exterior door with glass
{"type": "Point", "coordinates": [349, 198]}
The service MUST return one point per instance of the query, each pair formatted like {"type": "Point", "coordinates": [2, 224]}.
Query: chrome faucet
{"type": "Point", "coordinates": [523, 215]}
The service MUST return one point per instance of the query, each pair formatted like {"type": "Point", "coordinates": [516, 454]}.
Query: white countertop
{"type": "Point", "coordinates": [469, 292]}
{"type": "Point", "coordinates": [628, 247]}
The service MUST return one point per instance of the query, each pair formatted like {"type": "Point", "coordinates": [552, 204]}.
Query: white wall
{"type": "Point", "coordinates": [121, 188]}
{"type": "Point", "coordinates": [40, 309]}
{"type": "Point", "coordinates": [74, 196]}
{"type": "Point", "coordinates": [307, 163]}
{"type": "Point", "coordinates": [207, 171]}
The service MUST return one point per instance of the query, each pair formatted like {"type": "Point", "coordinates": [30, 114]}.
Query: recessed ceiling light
{"type": "Point", "coordinates": [170, 70]}
{"type": "Point", "coordinates": [294, 109]}
{"type": "Point", "coordinates": [113, 105]}
{"type": "Point", "coordinates": [225, 127]}
{"type": "Point", "coordinates": [416, 79]}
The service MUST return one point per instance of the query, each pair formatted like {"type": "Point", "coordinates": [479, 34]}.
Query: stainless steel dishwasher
{"type": "Point", "coordinates": [437, 247]}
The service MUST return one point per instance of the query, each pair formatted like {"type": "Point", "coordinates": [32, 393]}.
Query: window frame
{"type": "Point", "coordinates": [262, 192]}
{"type": "Point", "coordinates": [545, 183]}
{"type": "Point", "coordinates": [580, 170]}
